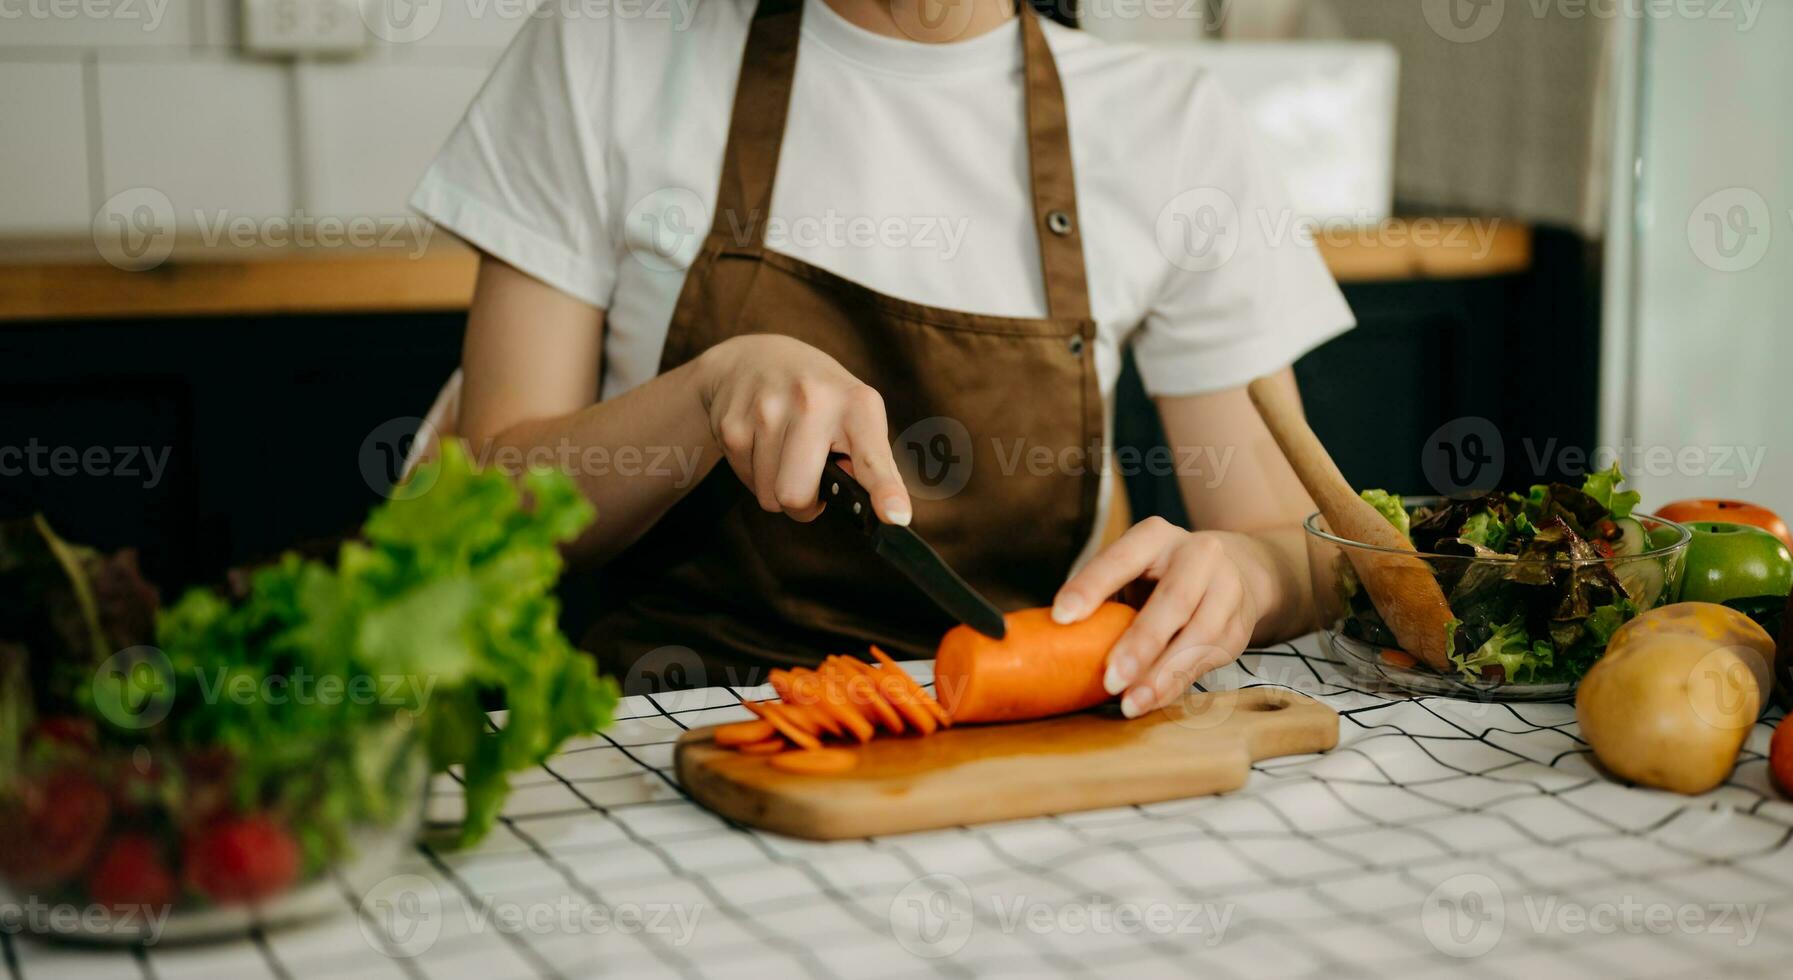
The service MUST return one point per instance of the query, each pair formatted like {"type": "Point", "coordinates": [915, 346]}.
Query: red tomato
{"type": "Point", "coordinates": [1780, 755]}
{"type": "Point", "coordinates": [1730, 511]}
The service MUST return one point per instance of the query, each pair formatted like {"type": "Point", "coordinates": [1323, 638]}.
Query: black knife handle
{"type": "Point", "coordinates": [845, 497]}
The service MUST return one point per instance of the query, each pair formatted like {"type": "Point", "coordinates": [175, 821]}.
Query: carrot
{"type": "Point", "coordinates": [893, 692]}
{"type": "Point", "coordinates": [1039, 669]}
{"type": "Point", "coordinates": [916, 691]}
{"type": "Point", "coordinates": [863, 696]}
{"type": "Point", "coordinates": [769, 746]}
{"type": "Point", "coordinates": [775, 713]}
{"type": "Point", "coordinates": [831, 698]}
{"type": "Point", "coordinates": [1398, 658]}
{"type": "Point", "coordinates": [824, 719]}
{"type": "Point", "coordinates": [792, 688]}
{"type": "Point", "coordinates": [816, 762]}
{"type": "Point", "coordinates": [743, 732]}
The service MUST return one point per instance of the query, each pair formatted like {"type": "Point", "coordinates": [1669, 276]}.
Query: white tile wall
{"type": "Point", "coordinates": [215, 137]}
{"type": "Point", "coordinates": [369, 130]}
{"type": "Point", "coordinates": [179, 108]}
{"type": "Point", "coordinates": [43, 155]}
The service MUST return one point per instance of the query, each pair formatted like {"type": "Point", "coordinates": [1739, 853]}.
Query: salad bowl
{"type": "Point", "coordinates": [1537, 583]}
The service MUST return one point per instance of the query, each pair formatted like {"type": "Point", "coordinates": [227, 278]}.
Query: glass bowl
{"type": "Point", "coordinates": [145, 844]}
{"type": "Point", "coordinates": [1549, 597]}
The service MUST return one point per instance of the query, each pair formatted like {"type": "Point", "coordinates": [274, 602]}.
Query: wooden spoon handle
{"type": "Point", "coordinates": [1348, 514]}
{"type": "Point", "coordinates": [1402, 588]}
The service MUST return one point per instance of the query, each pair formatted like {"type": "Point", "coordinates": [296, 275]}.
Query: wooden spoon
{"type": "Point", "coordinates": [1401, 586]}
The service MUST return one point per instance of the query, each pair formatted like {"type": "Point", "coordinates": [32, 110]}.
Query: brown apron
{"type": "Point", "coordinates": [999, 422]}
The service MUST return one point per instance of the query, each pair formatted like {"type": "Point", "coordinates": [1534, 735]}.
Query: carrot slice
{"type": "Point", "coordinates": [824, 719]}
{"type": "Point", "coordinates": [803, 695]}
{"type": "Point", "coordinates": [769, 746]}
{"type": "Point", "coordinates": [816, 762]}
{"type": "Point", "coordinates": [831, 697]}
{"type": "Point", "coordinates": [1398, 658]}
{"type": "Point", "coordinates": [743, 732]}
{"type": "Point", "coordinates": [893, 691]}
{"type": "Point", "coordinates": [1040, 668]}
{"type": "Point", "coordinates": [774, 712]}
{"type": "Point", "coordinates": [916, 691]}
{"type": "Point", "coordinates": [863, 695]}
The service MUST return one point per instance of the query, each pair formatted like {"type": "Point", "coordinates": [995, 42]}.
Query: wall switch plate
{"type": "Point", "coordinates": [303, 27]}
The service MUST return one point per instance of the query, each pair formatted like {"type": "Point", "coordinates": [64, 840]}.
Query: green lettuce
{"type": "Point", "coordinates": [1486, 529]}
{"type": "Point", "coordinates": [446, 602]}
{"type": "Point", "coordinates": [1389, 505]}
{"type": "Point", "coordinates": [1604, 487]}
{"type": "Point", "coordinates": [1510, 648]}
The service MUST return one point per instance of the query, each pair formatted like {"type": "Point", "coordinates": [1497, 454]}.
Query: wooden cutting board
{"type": "Point", "coordinates": [981, 773]}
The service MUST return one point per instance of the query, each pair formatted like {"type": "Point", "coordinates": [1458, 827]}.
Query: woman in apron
{"type": "Point", "coordinates": [721, 245]}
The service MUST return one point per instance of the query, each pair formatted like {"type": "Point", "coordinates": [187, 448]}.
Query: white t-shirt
{"type": "Point", "coordinates": [590, 161]}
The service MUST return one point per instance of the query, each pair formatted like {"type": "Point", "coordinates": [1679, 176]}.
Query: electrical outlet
{"type": "Point", "coordinates": [303, 26]}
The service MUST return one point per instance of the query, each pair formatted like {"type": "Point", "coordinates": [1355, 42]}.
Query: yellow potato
{"type": "Point", "coordinates": [1673, 699]}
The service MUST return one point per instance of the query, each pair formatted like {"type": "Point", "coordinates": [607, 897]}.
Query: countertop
{"type": "Point", "coordinates": [1440, 835]}
{"type": "Point", "coordinates": [62, 279]}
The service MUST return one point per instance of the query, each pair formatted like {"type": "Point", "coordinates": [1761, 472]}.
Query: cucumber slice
{"type": "Point", "coordinates": [1642, 580]}
{"type": "Point", "coordinates": [1631, 538]}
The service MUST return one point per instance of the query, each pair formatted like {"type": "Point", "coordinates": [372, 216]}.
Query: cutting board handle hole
{"type": "Point", "coordinates": [1268, 706]}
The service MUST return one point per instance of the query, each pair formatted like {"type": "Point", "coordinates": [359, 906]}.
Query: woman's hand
{"type": "Point", "coordinates": [1204, 605]}
{"type": "Point", "coordinates": [778, 407]}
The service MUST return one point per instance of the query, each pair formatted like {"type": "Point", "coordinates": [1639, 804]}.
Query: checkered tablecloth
{"type": "Point", "coordinates": [1440, 835]}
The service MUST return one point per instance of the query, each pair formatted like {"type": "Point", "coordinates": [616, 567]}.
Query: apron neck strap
{"type": "Point", "coordinates": [756, 133]}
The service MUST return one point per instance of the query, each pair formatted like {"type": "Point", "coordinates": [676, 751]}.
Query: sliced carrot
{"type": "Point", "coordinates": [743, 732]}
{"type": "Point", "coordinates": [863, 696]}
{"type": "Point", "coordinates": [916, 691]}
{"type": "Point", "coordinates": [893, 692]}
{"type": "Point", "coordinates": [816, 762]}
{"type": "Point", "coordinates": [774, 712]}
{"type": "Point", "coordinates": [1398, 658]}
{"type": "Point", "coordinates": [823, 718]}
{"type": "Point", "coordinates": [769, 746]}
{"type": "Point", "coordinates": [831, 697]}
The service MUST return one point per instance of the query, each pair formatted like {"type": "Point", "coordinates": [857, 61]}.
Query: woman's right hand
{"type": "Point", "coordinates": [778, 407]}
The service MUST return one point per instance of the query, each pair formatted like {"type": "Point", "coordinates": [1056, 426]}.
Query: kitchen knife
{"type": "Point", "coordinates": [912, 556]}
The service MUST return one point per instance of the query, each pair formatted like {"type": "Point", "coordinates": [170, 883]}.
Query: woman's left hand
{"type": "Point", "coordinates": [1200, 614]}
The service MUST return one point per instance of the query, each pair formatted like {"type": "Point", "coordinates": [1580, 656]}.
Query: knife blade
{"type": "Point", "coordinates": [908, 553]}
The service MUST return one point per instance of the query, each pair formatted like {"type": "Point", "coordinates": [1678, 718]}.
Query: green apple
{"type": "Point", "coordinates": [1734, 561]}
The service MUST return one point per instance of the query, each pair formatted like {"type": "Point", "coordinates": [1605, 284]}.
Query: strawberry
{"type": "Point", "coordinates": [241, 859]}
{"type": "Point", "coordinates": [49, 833]}
{"type": "Point", "coordinates": [67, 730]}
{"type": "Point", "coordinates": [131, 874]}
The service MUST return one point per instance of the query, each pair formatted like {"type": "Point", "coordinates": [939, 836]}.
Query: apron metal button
{"type": "Point", "coordinates": [1058, 222]}
{"type": "Point", "coordinates": [1076, 346]}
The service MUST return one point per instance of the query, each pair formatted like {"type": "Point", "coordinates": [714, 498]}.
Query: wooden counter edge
{"type": "Point", "coordinates": [440, 278]}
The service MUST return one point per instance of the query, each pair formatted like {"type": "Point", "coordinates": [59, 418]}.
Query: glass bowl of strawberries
{"type": "Point", "coordinates": [150, 843]}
